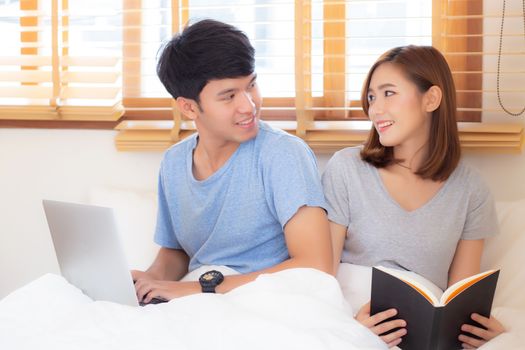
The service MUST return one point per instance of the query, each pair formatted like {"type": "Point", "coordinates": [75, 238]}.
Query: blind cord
{"type": "Point", "coordinates": [499, 59]}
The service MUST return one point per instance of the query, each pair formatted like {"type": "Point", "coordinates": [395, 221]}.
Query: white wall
{"type": "Point", "coordinates": [54, 164]}
{"type": "Point", "coordinates": [67, 164]}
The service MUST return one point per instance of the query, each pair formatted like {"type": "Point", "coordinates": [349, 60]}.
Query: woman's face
{"type": "Point", "coordinates": [397, 108]}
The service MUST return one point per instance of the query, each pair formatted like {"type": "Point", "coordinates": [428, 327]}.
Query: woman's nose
{"type": "Point", "coordinates": [376, 108]}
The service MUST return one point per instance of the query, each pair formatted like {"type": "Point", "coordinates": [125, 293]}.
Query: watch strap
{"type": "Point", "coordinates": [208, 289]}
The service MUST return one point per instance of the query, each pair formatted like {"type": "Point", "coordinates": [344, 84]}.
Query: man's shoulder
{"type": "Point", "coordinates": [179, 151]}
{"type": "Point", "coordinates": [278, 140]}
{"type": "Point", "coordinates": [182, 146]}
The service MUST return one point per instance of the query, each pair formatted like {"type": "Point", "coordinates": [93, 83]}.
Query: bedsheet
{"type": "Point", "coordinates": [291, 309]}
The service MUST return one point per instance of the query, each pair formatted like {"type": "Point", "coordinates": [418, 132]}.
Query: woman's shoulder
{"type": "Point", "coordinates": [468, 174]}
{"type": "Point", "coordinates": [347, 160]}
{"type": "Point", "coordinates": [348, 155]}
{"type": "Point", "coordinates": [470, 180]}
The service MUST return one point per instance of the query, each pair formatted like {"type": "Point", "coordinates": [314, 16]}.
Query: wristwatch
{"type": "Point", "coordinates": [209, 280]}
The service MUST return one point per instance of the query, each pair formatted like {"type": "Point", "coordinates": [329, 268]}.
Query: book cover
{"type": "Point", "coordinates": [433, 321]}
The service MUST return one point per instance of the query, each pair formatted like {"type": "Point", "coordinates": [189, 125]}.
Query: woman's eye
{"type": "Point", "coordinates": [389, 93]}
{"type": "Point", "coordinates": [371, 98]}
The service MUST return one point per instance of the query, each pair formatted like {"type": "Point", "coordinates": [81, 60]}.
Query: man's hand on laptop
{"type": "Point", "coordinates": [142, 275]}
{"type": "Point", "coordinates": [148, 288]}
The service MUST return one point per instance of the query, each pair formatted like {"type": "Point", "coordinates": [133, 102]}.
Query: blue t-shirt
{"type": "Point", "coordinates": [236, 216]}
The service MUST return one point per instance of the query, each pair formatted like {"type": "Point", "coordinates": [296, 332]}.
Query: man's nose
{"type": "Point", "coordinates": [246, 104]}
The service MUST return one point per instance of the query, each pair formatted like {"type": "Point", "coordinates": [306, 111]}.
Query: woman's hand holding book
{"type": "Point", "coordinates": [373, 322]}
{"type": "Point", "coordinates": [493, 329]}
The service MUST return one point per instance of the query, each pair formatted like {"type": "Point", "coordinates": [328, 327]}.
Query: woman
{"type": "Point", "coordinates": [405, 199]}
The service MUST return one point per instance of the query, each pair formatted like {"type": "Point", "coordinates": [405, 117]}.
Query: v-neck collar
{"type": "Point", "coordinates": [422, 207]}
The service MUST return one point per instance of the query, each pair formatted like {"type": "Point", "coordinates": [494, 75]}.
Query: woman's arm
{"type": "Point", "coordinates": [466, 262]}
{"type": "Point", "coordinates": [373, 322]}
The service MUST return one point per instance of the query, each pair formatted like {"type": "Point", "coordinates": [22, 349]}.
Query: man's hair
{"type": "Point", "coordinates": [203, 51]}
{"type": "Point", "coordinates": [425, 66]}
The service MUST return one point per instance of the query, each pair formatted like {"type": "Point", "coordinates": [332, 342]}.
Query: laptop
{"type": "Point", "coordinates": [89, 251]}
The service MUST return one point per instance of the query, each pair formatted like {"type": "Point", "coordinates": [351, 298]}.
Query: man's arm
{"type": "Point", "coordinates": [169, 265]}
{"type": "Point", "coordinates": [308, 241]}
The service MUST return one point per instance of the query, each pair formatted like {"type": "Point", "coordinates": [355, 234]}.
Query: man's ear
{"type": "Point", "coordinates": [187, 107]}
{"type": "Point", "coordinates": [433, 98]}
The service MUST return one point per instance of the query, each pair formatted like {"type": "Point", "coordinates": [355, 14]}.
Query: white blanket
{"type": "Point", "coordinates": [292, 309]}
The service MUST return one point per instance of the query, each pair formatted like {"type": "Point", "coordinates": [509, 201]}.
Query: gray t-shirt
{"type": "Point", "coordinates": [380, 232]}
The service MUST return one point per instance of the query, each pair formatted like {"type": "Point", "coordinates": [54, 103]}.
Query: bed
{"type": "Point", "coordinates": [292, 309]}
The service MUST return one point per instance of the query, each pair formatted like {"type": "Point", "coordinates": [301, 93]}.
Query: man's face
{"type": "Point", "coordinates": [229, 110]}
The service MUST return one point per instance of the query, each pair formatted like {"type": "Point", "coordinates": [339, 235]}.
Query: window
{"type": "Point", "coordinates": [60, 60]}
{"type": "Point", "coordinates": [324, 68]}
{"type": "Point", "coordinates": [92, 63]}
{"type": "Point", "coordinates": [311, 58]}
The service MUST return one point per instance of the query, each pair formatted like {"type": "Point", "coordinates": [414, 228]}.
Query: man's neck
{"type": "Point", "coordinates": [209, 157]}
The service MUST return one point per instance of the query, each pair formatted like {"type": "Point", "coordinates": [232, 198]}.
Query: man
{"type": "Point", "coordinates": [238, 193]}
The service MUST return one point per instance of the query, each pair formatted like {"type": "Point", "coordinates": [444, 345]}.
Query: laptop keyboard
{"type": "Point", "coordinates": [154, 301]}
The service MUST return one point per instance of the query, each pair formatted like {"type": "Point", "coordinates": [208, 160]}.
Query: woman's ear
{"type": "Point", "coordinates": [187, 107]}
{"type": "Point", "coordinates": [432, 98]}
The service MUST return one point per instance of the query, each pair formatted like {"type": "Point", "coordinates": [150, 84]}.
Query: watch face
{"type": "Point", "coordinates": [209, 280]}
{"type": "Point", "coordinates": [208, 276]}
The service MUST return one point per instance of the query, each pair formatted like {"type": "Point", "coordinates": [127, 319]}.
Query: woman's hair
{"type": "Point", "coordinates": [425, 66]}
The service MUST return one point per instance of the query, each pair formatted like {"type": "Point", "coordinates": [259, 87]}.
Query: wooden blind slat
{"type": "Point", "coordinates": [32, 91]}
{"type": "Point", "coordinates": [335, 60]}
{"type": "Point", "coordinates": [302, 65]}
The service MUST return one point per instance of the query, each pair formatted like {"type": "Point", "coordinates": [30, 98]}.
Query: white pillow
{"type": "Point", "coordinates": [135, 213]}
{"type": "Point", "coordinates": [506, 251]}
{"type": "Point", "coordinates": [356, 283]}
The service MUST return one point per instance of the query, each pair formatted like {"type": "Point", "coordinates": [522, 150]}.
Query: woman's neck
{"type": "Point", "coordinates": [411, 156]}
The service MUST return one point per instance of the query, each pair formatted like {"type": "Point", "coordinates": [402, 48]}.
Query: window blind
{"type": "Point", "coordinates": [510, 34]}
{"type": "Point", "coordinates": [312, 56]}
{"type": "Point", "coordinates": [268, 23]}
{"type": "Point", "coordinates": [321, 52]}
{"type": "Point", "coordinates": [60, 60]}
{"type": "Point", "coordinates": [75, 60]}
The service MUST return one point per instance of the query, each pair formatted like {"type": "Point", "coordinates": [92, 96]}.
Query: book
{"type": "Point", "coordinates": [434, 317]}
